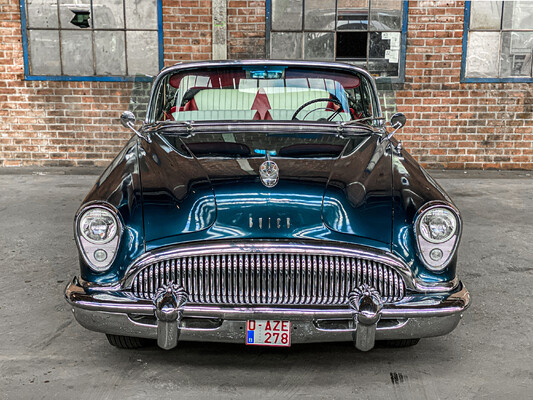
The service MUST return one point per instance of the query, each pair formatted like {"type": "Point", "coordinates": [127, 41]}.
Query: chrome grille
{"type": "Point", "coordinates": [251, 279]}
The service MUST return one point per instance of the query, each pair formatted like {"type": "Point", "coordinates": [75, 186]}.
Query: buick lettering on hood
{"type": "Point", "coordinates": [266, 203]}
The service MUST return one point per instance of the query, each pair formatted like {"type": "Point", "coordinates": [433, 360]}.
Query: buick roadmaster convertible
{"type": "Point", "coordinates": [266, 203]}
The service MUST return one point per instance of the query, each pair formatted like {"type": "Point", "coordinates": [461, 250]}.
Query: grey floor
{"type": "Point", "coordinates": [44, 353]}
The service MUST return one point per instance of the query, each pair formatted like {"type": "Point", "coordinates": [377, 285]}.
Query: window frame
{"type": "Point", "coordinates": [403, 43]}
{"type": "Point", "coordinates": [87, 78]}
{"type": "Point", "coordinates": [463, 77]}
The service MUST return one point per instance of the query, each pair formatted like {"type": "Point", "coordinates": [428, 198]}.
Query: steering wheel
{"type": "Point", "coordinates": [332, 100]}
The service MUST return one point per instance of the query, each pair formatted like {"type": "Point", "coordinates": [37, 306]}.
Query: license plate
{"type": "Point", "coordinates": [268, 333]}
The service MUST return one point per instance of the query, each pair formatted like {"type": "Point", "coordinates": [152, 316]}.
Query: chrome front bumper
{"type": "Point", "coordinates": [363, 321]}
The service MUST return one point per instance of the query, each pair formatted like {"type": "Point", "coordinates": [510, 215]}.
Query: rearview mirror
{"type": "Point", "coordinates": [398, 120]}
{"type": "Point", "coordinates": [127, 119]}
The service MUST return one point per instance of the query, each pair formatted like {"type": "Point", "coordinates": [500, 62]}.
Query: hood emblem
{"type": "Point", "coordinates": [269, 173]}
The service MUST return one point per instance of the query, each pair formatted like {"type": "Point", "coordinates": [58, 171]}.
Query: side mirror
{"type": "Point", "coordinates": [398, 120]}
{"type": "Point", "coordinates": [127, 119]}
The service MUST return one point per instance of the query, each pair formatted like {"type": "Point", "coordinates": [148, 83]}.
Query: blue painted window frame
{"type": "Point", "coordinates": [464, 78]}
{"type": "Point", "coordinates": [97, 78]}
{"type": "Point", "coordinates": [403, 46]}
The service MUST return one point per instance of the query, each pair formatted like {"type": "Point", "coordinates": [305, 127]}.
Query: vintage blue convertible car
{"type": "Point", "coordinates": [266, 203]}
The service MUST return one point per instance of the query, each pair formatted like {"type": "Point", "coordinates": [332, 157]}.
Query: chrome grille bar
{"type": "Point", "coordinates": [252, 279]}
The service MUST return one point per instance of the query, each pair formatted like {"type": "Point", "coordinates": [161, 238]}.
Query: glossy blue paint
{"type": "Point", "coordinates": [412, 188]}
{"type": "Point", "coordinates": [371, 219]}
{"type": "Point", "coordinates": [290, 210]}
{"type": "Point", "coordinates": [120, 186]}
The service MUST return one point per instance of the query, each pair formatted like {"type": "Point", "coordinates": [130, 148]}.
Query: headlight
{"type": "Point", "coordinates": [438, 225]}
{"type": "Point", "coordinates": [98, 225]}
{"type": "Point", "coordinates": [98, 231]}
{"type": "Point", "coordinates": [438, 229]}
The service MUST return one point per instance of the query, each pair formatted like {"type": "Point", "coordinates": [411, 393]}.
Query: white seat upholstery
{"type": "Point", "coordinates": [214, 115]}
{"type": "Point", "coordinates": [224, 99]}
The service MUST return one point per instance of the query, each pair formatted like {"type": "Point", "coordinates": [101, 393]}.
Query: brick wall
{"type": "Point", "coordinates": [450, 124]}
{"type": "Point", "coordinates": [246, 29]}
{"type": "Point", "coordinates": [453, 124]}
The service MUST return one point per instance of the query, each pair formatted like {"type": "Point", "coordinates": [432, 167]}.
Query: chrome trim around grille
{"type": "Point", "coordinates": [269, 278]}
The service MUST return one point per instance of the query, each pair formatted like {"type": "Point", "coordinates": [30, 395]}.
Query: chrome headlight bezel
{"type": "Point", "coordinates": [89, 247]}
{"type": "Point", "coordinates": [447, 247]}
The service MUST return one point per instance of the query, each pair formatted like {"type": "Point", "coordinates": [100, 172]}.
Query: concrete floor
{"type": "Point", "coordinates": [45, 354]}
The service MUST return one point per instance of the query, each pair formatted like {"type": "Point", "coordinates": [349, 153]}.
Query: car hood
{"type": "Point", "coordinates": [190, 199]}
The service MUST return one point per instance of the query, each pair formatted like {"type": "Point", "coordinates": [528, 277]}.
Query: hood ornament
{"type": "Point", "coordinates": [269, 173]}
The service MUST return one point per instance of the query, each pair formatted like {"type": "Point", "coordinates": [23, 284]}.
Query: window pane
{"type": "Point", "coordinates": [110, 53]}
{"type": "Point", "coordinates": [68, 9]}
{"type": "Point", "coordinates": [386, 15]}
{"type": "Point", "coordinates": [320, 15]}
{"type": "Point", "coordinates": [351, 45]}
{"type": "Point", "coordinates": [108, 14]}
{"type": "Point", "coordinates": [77, 52]}
{"type": "Point", "coordinates": [382, 67]}
{"type": "Point", "coordinates": [483, 54]}
{"type": "Point", "coordinates": [287, 15]}
{"type": "Point", "coordinates": [518, 15]}
{"type": "Point", "coordinates": [485, 14]}
{"type": "Point", "coordinates": [42, 13]}
{"type": "Point", "coordinates": [141, 14]}
{"type": "Point", "coordinates": [319, 46]}
{"type": "Point", "coordinates": [352, 14]}
{"type": "Point", "coordinates": [517, 48]}
{"type": "Point", "coordinates": [286, 45]}
{"type": "Point", "coordinates": [142, 51]}
{"type": "Point", "coordinates": [44, 52]}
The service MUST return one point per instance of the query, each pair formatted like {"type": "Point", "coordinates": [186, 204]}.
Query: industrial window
{"type": "Point", "coordinates": [498, 41]}
{"type": "Point", "coordinates": [91, 39]}
{"type": "Point", "coordinates": [367, 33]}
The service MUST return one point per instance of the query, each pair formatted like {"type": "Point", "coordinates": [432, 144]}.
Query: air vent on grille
{"type": "Point", "coordinates": [251, 279]}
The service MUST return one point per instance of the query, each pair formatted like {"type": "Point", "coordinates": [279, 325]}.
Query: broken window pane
{"type": "Point", "coordinates": [110, 53]}
{"type": "Point", "coordinates": [351, 45]}
{"type": "Point", "coordinates": [77, 53]}
{"type": "Point", "coordinates": [319, 46]}
{"type": "Point", "coordinates": [68, 10]}
{"type": "Point", "coordinates": [108, 14]}
{"type": "Point", "coordinates": [485, 14]}
{"type": "Point", "coordinates": [352, 14]}
{"type": "Point", "coordinates": [517, 49]}
{"type": "Point", "coordinates": [142, 52]}
{"type": "Point", "coordinates": [42, 13]}
{"type": "Point", "coordinates": [518, 15]}
{"type": "Point", "coordinates": [386, 15]}
{"type": "Point", "coordinates": [287, 15]}
{"type": "Point", "coordinates": [320, 15]}
{"type": "Point", "coordinates": [483, 54]}
{"type": "Point", "coordinates": [286, 45]}
{"type": "Point", "coordinates": [44, 52]}
{"type": "Point", "coordinates": [141, 14]}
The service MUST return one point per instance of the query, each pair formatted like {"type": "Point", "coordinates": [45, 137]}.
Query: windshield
{"type": "Point", "coordinates": [262, 93]}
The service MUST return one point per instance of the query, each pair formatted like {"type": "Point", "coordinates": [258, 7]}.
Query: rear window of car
{"type": "Point", "coordinates": [263, 93]}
